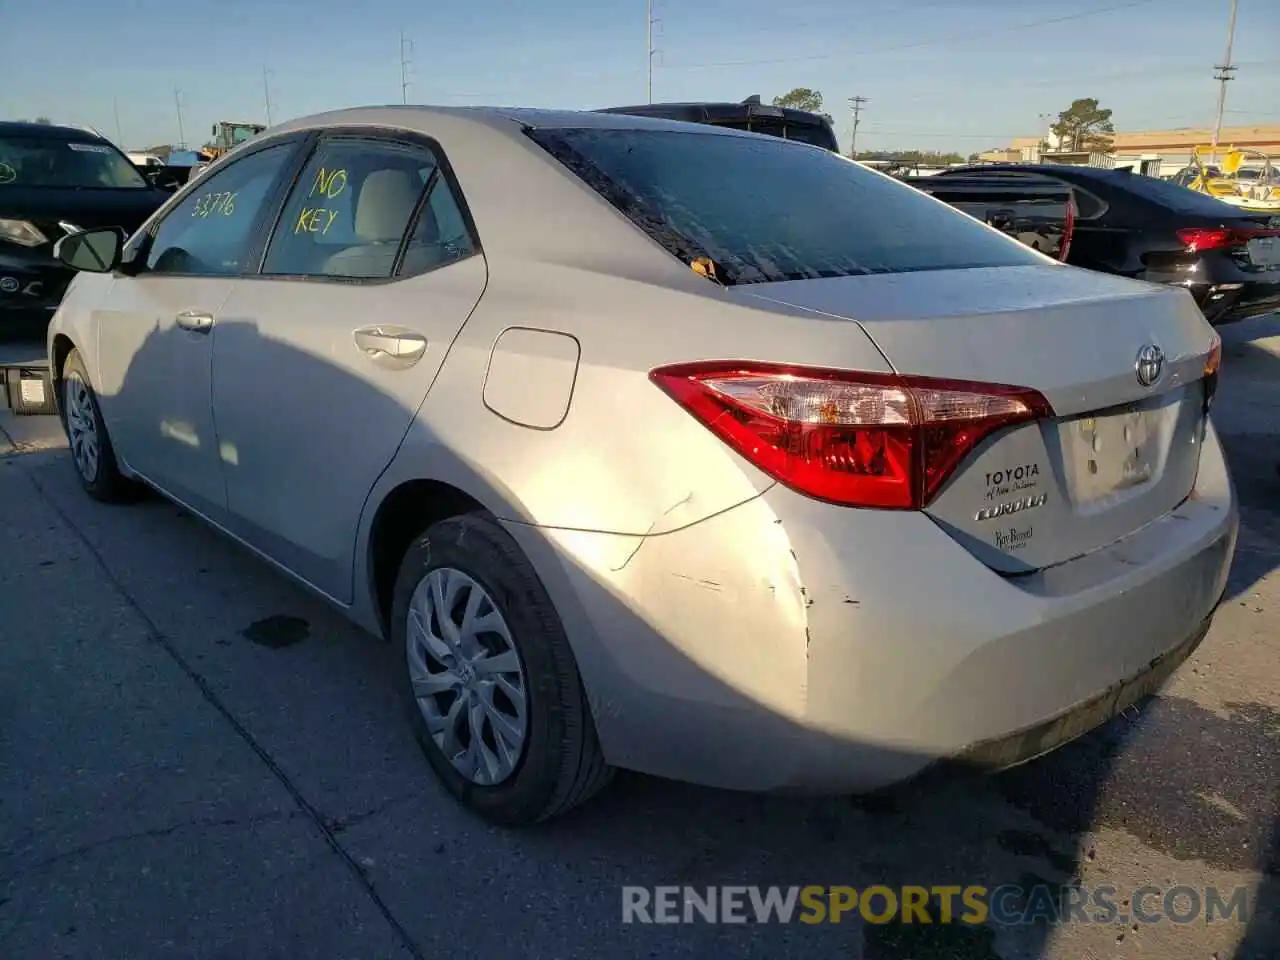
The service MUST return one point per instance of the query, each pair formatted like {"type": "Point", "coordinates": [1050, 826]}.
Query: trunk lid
{"type": "Point", "coordinates": [1119, 452]}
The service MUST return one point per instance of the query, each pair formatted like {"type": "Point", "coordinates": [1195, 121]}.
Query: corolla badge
{"type": "Point", "coordinates": [1149, 364]}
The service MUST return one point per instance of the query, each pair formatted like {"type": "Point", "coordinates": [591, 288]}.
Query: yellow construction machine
{"type": "Point", "coordinates": [227, 135]}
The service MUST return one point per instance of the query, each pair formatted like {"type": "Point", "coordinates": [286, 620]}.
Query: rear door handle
{"type": "Point", "coordinates": [392, 346]}
{"type": "Point", "coordinates": [195, 320]}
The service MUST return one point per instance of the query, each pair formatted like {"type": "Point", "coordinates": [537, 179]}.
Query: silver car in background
{"type": "Point", "coordinates": [658, 446]}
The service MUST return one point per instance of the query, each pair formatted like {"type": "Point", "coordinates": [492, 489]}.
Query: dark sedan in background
{"type": "Point", "coordinates": [1149, 229]}
{"type": "Point", "coordinates": [56, 180]}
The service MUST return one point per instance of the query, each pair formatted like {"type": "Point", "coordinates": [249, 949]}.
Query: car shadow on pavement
{"type": "Point", "coordinates": [1033, 825]}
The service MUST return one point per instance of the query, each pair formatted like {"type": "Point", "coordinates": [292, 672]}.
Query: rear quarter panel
{"type": "Point", "coordinates": [625, 458]}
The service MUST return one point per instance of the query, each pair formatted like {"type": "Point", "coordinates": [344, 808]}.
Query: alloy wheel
{"type": "Point", "coordinates": [468, 679]}
{"type": "Point", "coordinates": [82, 427]}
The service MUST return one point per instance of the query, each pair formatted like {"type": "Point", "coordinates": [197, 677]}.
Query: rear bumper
{"type": "Point", "coordinates": [1041, 738]}
{"type": "Point", "coordinates": [790, 645]}
{"type": "Point", "coordinates": [1229, 303]}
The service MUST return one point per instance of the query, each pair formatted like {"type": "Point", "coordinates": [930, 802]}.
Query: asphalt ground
{"type": "Point", "coordinates": [199, 760]}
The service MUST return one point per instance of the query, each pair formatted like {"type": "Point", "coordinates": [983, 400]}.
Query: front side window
{"type": "Point", "coordinates": [210, 233]}
{"type": "Point", "coordinates": [766, 210]}
{"type": "Point", "coordinates": [350, 209]}
{"type": "Point", "coordinates": [69, 164]}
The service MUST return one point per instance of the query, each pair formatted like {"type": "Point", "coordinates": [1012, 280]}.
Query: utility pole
{"type": "Point", "coordinates": [1223, 76]}
{"type": "Point", "coordinates": [266, 91]}
{"type": "Point", "coordinates": [115, 105]}
{"type": "Point", "coordinates": [177, 102]}
{"type": "Point", "coordinates": [855, 104]}
{"type": "Point", "coordinates": [649, 51]}
{"type": "Point", "coordinates": [406, 49]}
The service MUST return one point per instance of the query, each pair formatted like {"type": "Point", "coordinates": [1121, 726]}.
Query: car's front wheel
{"type": "Point", "coordinates": [492, 686]}
{"type": "Point", "coordinates": [91, 451]}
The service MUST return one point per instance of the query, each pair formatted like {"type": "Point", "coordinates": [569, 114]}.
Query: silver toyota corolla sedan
{"type": "Point", "coordinates": [663, 447]}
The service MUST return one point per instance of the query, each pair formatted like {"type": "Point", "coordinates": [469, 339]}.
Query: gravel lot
{"type": "Point", "coordinates": [185, 774]}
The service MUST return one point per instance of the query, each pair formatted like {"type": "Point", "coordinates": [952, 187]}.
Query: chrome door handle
{"type": "Point", "coordinates": [195, 321]}
{"type": "Point", "coordinates": [395, 346]}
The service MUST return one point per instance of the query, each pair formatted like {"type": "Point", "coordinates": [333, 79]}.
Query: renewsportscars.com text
{"type": "Point", "coordinates": [1007, 905]}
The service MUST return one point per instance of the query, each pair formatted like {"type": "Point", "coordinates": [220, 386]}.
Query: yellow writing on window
{"type": "Point", "coordinates": [214, 204]}
{"type": "Point", "coordinates": [328, 183]}
{"type": "Point", "coordinates": [315, 220]}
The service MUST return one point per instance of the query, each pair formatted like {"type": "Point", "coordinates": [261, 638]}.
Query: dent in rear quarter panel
{"type": "Point", "coordinates": [692, 645]}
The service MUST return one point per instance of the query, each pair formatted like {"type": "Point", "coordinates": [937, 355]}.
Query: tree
{"type": "Point", "coordinates": [800, 98]}
{"type": "Point", "coordinates": [925, 158]}
{"type": "Point", "coordinates": [45, 120]}
{"type": "Point", "coordinates": [1084, 126]}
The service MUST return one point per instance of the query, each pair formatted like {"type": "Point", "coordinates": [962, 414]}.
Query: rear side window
{"type": "Point", "coordinates": [767, 210]}
{"type": "Point", "coordinates": [1039, 222]}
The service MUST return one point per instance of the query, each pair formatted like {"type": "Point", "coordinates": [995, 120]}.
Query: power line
{"type": "Point", "coordinates": [915, 44]}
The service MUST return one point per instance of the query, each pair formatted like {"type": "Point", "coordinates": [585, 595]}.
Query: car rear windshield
{"type": "Point", "coordinates": [767, 210]}
{"type": "Point", "coordinates": [1176, 198]}
{"type": "Point", "coordinates": [814, 134]}
{"type": "Point", "coordinates": [55, 162]}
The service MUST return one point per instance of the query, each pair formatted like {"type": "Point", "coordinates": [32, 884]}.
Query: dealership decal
{"type": "Point", "coordinates": [1013, 538]}
{"type": "Point", "coordinates": [1001, 483]}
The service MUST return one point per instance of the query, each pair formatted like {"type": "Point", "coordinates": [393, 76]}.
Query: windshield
{"type": "Point", "coordinates": [766, 210]}
{"type": "Point", "coordinates": [52, 162]}
{"type": "Point", "coordinates": [1173, 197]}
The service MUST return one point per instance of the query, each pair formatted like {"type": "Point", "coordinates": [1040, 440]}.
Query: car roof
{"type": "Point", "coordinates": [505, 119]}
{"type": "Point", "coordinates": [21, 128]}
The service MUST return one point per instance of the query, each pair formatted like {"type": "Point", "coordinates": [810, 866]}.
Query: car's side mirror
{"type": "Point", "coordinates": [91, 251]}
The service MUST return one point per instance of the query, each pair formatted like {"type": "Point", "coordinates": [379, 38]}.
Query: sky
{"type": "Point", "coordinates": [962, 75]}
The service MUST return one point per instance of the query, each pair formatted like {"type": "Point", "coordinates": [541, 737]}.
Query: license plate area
{"type": "Point", "coordinates": [1110, 452]}
{"type": "Point", "coordinates": [1265, 252]}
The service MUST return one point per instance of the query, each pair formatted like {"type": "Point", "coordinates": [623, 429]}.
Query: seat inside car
{"type": "Point", "coordinates": [382, 208]}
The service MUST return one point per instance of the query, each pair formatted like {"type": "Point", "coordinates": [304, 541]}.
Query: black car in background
{"type": "Point", "coordinates": [56, 180]}
{"type": "Point", "coordinates": [750, 115]}
{"type": "Point", "coordinates": [1137, 226]}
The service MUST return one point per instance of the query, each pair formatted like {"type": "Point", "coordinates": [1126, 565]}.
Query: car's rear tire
{"type": "Point", "coordinates": [505, 669]}
{"type": "Point", "coordinates": [92, 455]}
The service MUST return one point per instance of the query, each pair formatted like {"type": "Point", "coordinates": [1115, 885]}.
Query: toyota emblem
{"type": "Point", "coordinates": [1149, 365]}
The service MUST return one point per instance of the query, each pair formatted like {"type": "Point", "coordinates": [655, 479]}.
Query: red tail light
{"type": "Point", "coordinates": [1196, 239]}
{"type": "Point", "coordinates": [1068, 229]}
{"type": "Point", "coordinates": [856, 439]}
{"type": "Point", "coordinates": [1212, 364]}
